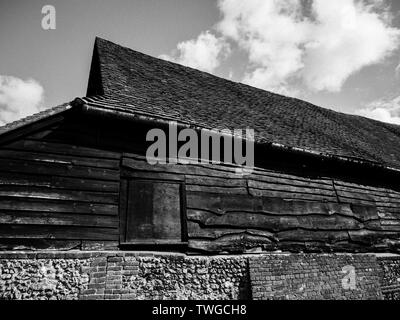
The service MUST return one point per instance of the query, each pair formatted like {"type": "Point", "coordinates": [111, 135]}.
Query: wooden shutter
{"type": "Point", "coordinates": [154, 212]}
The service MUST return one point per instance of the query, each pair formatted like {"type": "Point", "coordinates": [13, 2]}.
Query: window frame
{"type": "Point", "coordinates": [126, 178]}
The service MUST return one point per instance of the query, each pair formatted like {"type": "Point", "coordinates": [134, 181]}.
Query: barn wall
{"type": "Point", "coordinates": [57, 194]}
{"type": "Point", "coordinates": [270, 210]}
{"type": "Point", "coordinates": [60, 189]}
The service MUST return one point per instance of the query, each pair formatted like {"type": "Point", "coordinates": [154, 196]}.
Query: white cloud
{"type": "Point", "coordinates": [350, 36]}
{"type": "Point", "coordinates": [271, 32]}
{"type": "Point", "coordinates": [18, 98]}
{"type": "Point", "coordinates": [383, 110]}
{"type": "Point", "coordinates": [296, 44]}
{"type": "Point", "coordinates": [322, 47]}
{"type": "Point", "coordinates": [398, 70]}
{"type": "Point", "coordinates": [204, 53]}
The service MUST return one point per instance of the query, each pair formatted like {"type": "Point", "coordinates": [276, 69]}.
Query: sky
{"type": "Point", "coordinates": [342, 55]}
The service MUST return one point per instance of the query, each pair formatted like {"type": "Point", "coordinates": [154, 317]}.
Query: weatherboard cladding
{"type": "Point", "coordinates": [68, 174]}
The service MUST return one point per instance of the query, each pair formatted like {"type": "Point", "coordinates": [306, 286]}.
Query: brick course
{"type": "Point", "coordinates": [313, 276]}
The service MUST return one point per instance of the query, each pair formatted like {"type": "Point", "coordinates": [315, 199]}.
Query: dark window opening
{"type": "Point", "coordinates": [154, 212]}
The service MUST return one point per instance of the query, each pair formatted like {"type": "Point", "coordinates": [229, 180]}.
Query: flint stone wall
{"type": "Point", "coordinates": [390, 276]}
{"type": "Point", "coordinates": [42, 277]}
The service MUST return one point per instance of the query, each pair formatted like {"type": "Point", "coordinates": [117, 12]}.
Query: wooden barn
{"type": "Point", "coordinates": [75, 176]}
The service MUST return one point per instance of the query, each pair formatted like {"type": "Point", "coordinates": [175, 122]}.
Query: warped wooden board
{"type": "Point", "coordinates": [291, 188]}
{"type": "Point", "coordinates": [32, 180]}
{"type": "Point", "coordinates": [61, 148]}
{"type": "Point", "coordinates": [324, 236]}
{"type": "Point", "coordinates": [386, 195]}
{"type": "Point", "coordinates": [287, 195]}
{"type": "Point", "coordinates": [58, 194]}
{"type": "Point", "coordinates": [221, 204]}
{"type": "Point", "coordinates": [221, 190]}
{"type": "Point", "coordinates": [61, 219]}
{"type": "Point", "coordinates": [220, 171]}
{"type": "Point", "coordinates": [375, 190]}
{"type": "Point", "coordinates": [273, 223]}
{"type": "Point", "coordinates": [215, 220]}
{"type": "Point", "coordinates": [57, 232]}
{"type": "Point", "coordinates": [55, 206]}
{"type": "Point", "coordinates": [26, 244]}
{"type": "Point", "coordinates": [58, 169]}
{"type": "Point", "coordinates": [215, 181]}
{"type": "Point", "coordinates": [232, 243]}
{"type": "Point", "coordinates": [197, 232]}
{"type": "Point", "coordinates": [372, 236]}
{"type": "Point", "coordinates": [57, 158]}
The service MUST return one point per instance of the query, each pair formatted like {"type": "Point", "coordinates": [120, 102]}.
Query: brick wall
{"type": "Point", "coordinates": [315, 276]}
{"type": "Point", "coordinates": [141, 275]}
{"type": "Point", "coordinates": [390, 276]}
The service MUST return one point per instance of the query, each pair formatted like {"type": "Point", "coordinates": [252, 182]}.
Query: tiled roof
{"type": "Point", "coordinates": [135, 82]}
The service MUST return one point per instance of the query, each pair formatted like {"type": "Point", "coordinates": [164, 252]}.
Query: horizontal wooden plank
{"type": "Point", "coordinates": [57, 158]}
{"type": "Point", "coordinates": [290, 188]}
{"type": "Point", "coordinates": [226, 172]}
{"type": "Point", "coordinates": [386, 215]}
{"type": "Point", "coordinates": [58, 169]}
{"type": "Point", "coordinates": [378, 205]}
{"type": "Point", "coordinates": [57, 232]}
{"type": "Point", "coordinates": [314, 235]}
{"type": "Point", "coordinates": [393, 211]}
{"type": "Point", "coordinates": [62, 219]}
{"type": "Point", "coordinates": [243, 243]}
{"type": "Point", "coordinates": [58, 194]}
{"type": "Point", "coordinates": [222, 190]}
{"type": "Point", "coordinates": [393, 222]}
{"type": "Point", "coordinates": [129, 173]}
{"type": "Point", "coordinates": [195, 231]}
{"type": "Point", "coordinates": [372, 236]}
{"type": "Point", "coordinates": [221, 204]}
{"type": "Point", "coordinates": [280, 178]}
{"type": "Point", "coordinates": [372, 189]}
{"type": "Point", "coordinates": [367, 197]}
{"type": "Point", "coordinates": [16, 244]}
{"type": "Point", "coordinates": [45, 205]}
{"type": "Point", "coordinates": [151, 242]}
{"type": "Point", "coordinates": [142, 165]}
{"type": "Point", "coordinates": [215, 181]}
{"type": "Point", "coordinates": [273, 223]}
{"type": "Point", "coordinates": [78, 184]}
{"type": "Point", "coordinates": [354, 195]}
{"type": "Point", "coordinates": [60, 148]}
{"type": "Point", "coordinates": [232, 243]}
{"type": "Point", "coordinates": [291, 195]}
